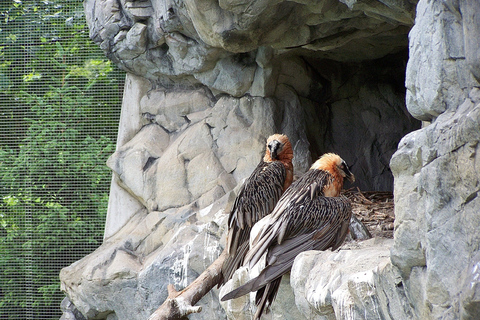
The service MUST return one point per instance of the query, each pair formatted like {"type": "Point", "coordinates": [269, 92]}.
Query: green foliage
{"type": "Point", "coordinates": [59, 108]}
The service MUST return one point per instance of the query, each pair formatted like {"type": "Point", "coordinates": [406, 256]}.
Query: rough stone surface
{"type": "Point", "coordinates": [244, 308]}
{"type": "Point", "coordinates": [179, 171]}
{"type": "Point", "coordinates": [470, 284]}
{"type": "Point", "coordinates": [69, 310]}
{"type": "Point", "coordinates": [437, 53]}
{"type": "Point", "coordinates": [120, 203]}
{"type": "Point", "coordinates": [436, 170]}
{"type": "Point", "coordinates": [326, 59]}
{"type": "Point", "coordinates": [471, 29]}
{"type": "Point", "coordinates": [437, 179]}
{"type": "Point", "coordinates": [208, 81]}
{"type": "Point", "coordinates": [127, 277]}
{"type": "Point", "coordinates": [356, 282]}
{"type": "Point", "coordinates": [216, 43]}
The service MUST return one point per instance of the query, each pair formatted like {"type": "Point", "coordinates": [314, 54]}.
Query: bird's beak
{"type": "Point", "coordinates": [275, 147]}
{"type": "Point", "coordinates": [349, 175]}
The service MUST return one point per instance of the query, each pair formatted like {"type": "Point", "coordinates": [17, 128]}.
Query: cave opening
{"type": "Point", "coordinates": [357, 109]}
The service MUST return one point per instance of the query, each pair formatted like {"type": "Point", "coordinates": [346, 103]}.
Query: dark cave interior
{"type": "Point", "coordinates": [357, 109]}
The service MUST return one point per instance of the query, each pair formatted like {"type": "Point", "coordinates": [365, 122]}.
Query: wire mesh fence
{"type": "Point", "coordinates": [59, 107]}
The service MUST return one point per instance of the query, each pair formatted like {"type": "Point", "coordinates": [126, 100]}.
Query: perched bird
{"type": "Point", "coordinates": [310, 215]}
{"type": "Point", "coordinates": [257, 198]}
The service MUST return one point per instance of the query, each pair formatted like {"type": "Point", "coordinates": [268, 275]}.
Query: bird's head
{"type": "Point", "coordinates": [278, 148]}
{"type": "Point", "coordinates": [332, 163]}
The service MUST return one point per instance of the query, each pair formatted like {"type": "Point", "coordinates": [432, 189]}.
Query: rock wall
{"type": "Point", "coordinates": [341, 62]}
{"type": "Point", "coordinates": [208, 81]}
{"type": "Point", "coordinates": [437, 173]}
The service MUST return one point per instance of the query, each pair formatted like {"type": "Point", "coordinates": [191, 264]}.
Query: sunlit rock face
{"type": "Point", "coordinates": [340, 64]}
{"type": "Point", "coordinates": [436, 169]}
{"type": "Point", "coordinates": [196, 41]}
{"type": "Point", "coordinates": [209, 81]}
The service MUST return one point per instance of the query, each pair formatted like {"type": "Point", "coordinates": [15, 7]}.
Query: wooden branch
{"type": "Point", "coordinates": [179, 305]}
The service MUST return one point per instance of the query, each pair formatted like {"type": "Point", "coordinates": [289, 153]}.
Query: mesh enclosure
{"type": "Point", "coordinates": [60, 103]}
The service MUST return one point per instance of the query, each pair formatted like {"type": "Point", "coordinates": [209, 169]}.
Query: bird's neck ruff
{"type": "Point", "coordinates": [329, 163]}
{"type": "Point", "coordinates": [285, 156]}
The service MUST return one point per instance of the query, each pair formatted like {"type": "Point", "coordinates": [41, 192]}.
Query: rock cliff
{"type": "Point", "coordinates": [437, 176]}
{"type": "Point", "coordinates": [208, 81]}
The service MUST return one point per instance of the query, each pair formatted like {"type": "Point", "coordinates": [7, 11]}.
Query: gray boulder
{"type": "Point", "coordinates": [436, 169]}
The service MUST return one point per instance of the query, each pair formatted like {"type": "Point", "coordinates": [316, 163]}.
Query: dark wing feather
{"type": "Point", "coordinates": [257, 198]}
{"type": "Point", "coordinates": [233, 262]}
{"type": "Point", "coordinates": [301, 192]}
{"type": "Point", "coordinates": [315, 225]}
{"type": "Point", "coordinates": [266, 295]}
{"type": "Point", "coordinates": [318, 225]}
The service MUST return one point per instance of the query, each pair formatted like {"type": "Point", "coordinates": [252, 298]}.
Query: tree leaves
{"type": "Point", "coordinates": [59, 107]}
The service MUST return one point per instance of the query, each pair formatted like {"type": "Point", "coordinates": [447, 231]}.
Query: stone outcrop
{"type": "Point", "coordinates": [216, 43]}
{"type": "Point", "coordinates": [208, 81]}
{"type": "Point", "coordinates": [183, 183]}
{"type": "Point", "coordinates": [437, 175]}
{"type": "Point", "coordinates": [331, 59]}
{"type": "Point", "coordinates": [355, 282]}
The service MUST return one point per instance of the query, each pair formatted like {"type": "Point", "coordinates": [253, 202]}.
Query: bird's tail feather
{"type": "Point", "coordinates": [240, 291]}
{"type": "Point", "coordinates": [269, 274]}
{"type": "Point", "coordinates": [265, 296]}
{"type": "Point", "coordinates": [232, 263]}
{"type": "Point", "coordinates": [260, 247]}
